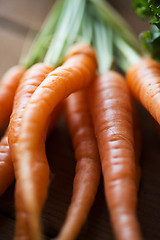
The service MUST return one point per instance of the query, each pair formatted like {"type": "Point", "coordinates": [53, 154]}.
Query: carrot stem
{"type": "Point", "coordinates": [102, 43]}
{"type": "Point", "coordinates": [43, 38]}
{"type": "Point", "coordinates": [66, 31]}
{"type": "Point", "coordinates": [127, 55]}
{"type": "Point", "coordinates": [103, 10]}
{"type": "Point", "coordinates": [86, 32]}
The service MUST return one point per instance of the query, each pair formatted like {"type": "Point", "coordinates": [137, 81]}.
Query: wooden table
{"type": "Point", "coordinates": [16, 18]}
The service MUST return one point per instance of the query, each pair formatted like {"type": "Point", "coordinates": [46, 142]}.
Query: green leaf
{"type": "Point", "coordinates": [151, 38]}
{"type": "Point", "coordinates": [151, 42]}
{"type": "Point", "coordinates": [147, 8]}
{"type": "Point", "coordinates": [142, 8]}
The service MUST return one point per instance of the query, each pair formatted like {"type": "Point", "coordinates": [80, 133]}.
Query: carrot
{"type": "Point", "coordinates": [111, 111]}
{"type": "Point", "coordinates": [8, 86]}
{"type": "Point", "coordinates": [87, 164]}
{"type": "Point", "coordinates": [6, 166]}
{"type": "Point", "coordinates": [143, 80]}
{"type": "Point", "coordinates": [31, 79]}
{"type": "Point", "coordinates": [76, 73]}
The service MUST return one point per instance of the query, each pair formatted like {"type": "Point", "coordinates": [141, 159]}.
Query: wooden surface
{"type": "Point", "coordinates": [16, 18]}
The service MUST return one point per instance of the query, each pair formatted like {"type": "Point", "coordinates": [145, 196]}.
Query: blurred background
{"type": "Point", "coordinates": [20, 20]}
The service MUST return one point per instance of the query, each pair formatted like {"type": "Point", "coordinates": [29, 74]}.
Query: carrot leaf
{"type": "Point", "coordinates": [150, 9]}
{"type": "Point", "coordinates": [151, 42]}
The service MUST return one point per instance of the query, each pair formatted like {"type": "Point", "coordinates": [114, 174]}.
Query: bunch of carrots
{"type": "Point", "coordinates": [70, 67]}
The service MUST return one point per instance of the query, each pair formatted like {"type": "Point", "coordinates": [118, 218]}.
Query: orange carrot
{"type": "Point", "coordinates": [111, 111]}
{"type": "Point", "coordinates": [76, 73]}
{"type": "Point", "coordinates": [87, 167]}
{"type": "Point", "coordinates": [30, 81]}
{"type": "Point", "coordinates": [8, 86]}
{"type": "Point", "coordinates": [143, 80]}
{"type": "Point", "coordinates": [6, 166]}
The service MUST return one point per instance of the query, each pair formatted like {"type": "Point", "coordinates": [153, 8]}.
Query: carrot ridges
{"type": "Point", "coordinates": [6, 165]}
{"type": "Point", "coordinates": [87, 171]}
{"type": "Point", "coordinates": [8, 86]}
{"type": "Point", "coordinates": [76, 73]}
{"type": "Point", "coordinates": [143, 80]}
{"type": "Point", "coordinates": [30, 81]}
{"type": "Point", "coordinates": [111, 111]}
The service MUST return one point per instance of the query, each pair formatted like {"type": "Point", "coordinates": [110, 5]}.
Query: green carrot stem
{"type": "Point", "coordinates": [86, 32]}
{"type": "Point", "coordinates": [103, 45]}
{"type": "Point", "coordinates": [66, 31]}
{"type": "Point", "coordinates": [128, 55]}
{"type": "Point", "coordinates": [43, 38]}
{"type": "Point", "coordinates": [104, 11]}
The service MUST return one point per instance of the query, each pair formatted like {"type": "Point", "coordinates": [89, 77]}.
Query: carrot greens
{"type": "Point", "coordinates": [43, 38]}
{"type": "Point", "coordinates": [66, 31]}
{"type": "Point", "coordinates": [92, 21]}
{"type": "Point", "coordinates": [126, 55]}
{"type": "Point", "coordinates": [103, 10]}
{"type": "Point", "coordinates": [150, 9]}
{"type": "Point", "coordinates": [103, 44]}
{"type": "Point", "coordinates": [86, 31]}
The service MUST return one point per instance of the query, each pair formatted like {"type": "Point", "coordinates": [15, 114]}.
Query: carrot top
{"type": "Point", "coordinates": [43, 38]}
{"type": "Point", "coordinates": [150, 39]}
{"type": "Point", "coordinates": [93, 22]}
